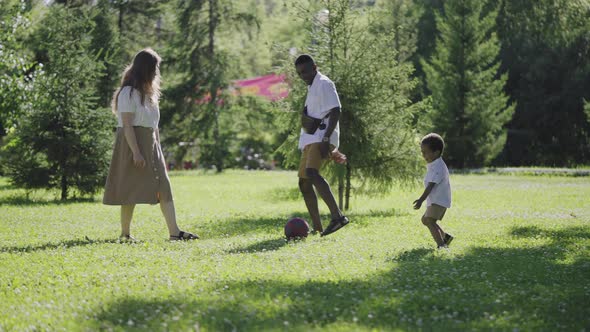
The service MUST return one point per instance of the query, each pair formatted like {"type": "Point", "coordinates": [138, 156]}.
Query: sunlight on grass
{"type": "Point", "coordinates": [520, 260]}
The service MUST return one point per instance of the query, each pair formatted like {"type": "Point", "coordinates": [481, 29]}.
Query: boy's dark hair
{"type": "Point", "coordinates": [304, 58]}
{"type": "Point", "coordinates": [435, 142]}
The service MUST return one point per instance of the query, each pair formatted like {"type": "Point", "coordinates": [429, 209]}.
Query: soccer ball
{"type": "Point", "coordinates": [296, 228]}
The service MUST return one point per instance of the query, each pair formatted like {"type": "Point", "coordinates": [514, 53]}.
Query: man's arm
{"type": "Point", "coordinates": [333, 121]}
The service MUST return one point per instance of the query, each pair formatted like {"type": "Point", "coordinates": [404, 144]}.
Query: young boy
{"type": "Point", "coordinates": [437, 192]}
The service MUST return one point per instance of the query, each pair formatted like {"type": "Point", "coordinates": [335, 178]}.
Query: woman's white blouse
{"type": "Point", "coordinates": [129, 101]}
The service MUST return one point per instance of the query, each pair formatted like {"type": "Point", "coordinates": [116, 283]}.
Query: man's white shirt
{"type": "Point", "coordinates": [321, 98]}
{"type": "Point", "coordinates": [438, 173]}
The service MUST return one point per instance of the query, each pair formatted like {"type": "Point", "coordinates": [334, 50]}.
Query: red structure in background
{"type": "Point", "coordinates": [272, 87]}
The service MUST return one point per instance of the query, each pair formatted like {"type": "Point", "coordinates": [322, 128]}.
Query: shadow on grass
{"type": "Point", "coordinates": [486, 288]}
{"type": "Point", "coordinates": [7, 186]}
{"type": "Point", "coordinates": [56, 245]}
{"type": "Point", "coordinates": [283, 194]}
{"type": "Point", "coordinates": [266, 245]}
{"type": "Point", "coordinates": [240, 226]}
{"type": "Point", "coordinates": [23, 200]}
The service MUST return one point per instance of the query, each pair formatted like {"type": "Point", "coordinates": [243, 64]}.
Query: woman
{"type": "Point", "coordinates": [137, 174]}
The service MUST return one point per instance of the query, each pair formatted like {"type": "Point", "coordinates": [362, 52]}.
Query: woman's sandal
{"type": "Point", "coordinates": [184, 236]}
{"type": "Point", "coordinates": [127, 238]}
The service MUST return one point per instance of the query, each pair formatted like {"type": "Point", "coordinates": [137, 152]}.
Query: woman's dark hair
{"type": "Point", "coordinates": [143, 75]}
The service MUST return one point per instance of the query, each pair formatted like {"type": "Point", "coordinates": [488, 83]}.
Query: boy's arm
{"type": "Point", "coordinates": [419, 201]}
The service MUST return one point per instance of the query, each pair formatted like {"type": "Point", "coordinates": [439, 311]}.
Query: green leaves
{"type": "Point", "coordinates": [470, 106]}
{"type": "Point", "coordinates": [63, 136]}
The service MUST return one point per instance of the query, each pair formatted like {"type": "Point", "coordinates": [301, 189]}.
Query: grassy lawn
{"type": "Point", "coordinates": [520, 260]}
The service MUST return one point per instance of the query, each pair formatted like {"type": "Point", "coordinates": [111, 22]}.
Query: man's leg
{"type": "Point", "coordinates": [312, 167]}
{"type": "Point", "coordinates": [312, 171]}
{"type": "Point", "coordinates": [309, 196]}
{"type": "Point", "coordinates": [311, 202]}
{"type": "Point", "coordinates": [325, 192]}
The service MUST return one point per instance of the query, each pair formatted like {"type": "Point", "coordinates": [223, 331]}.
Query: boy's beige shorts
{"type": "Point", "coordinates": [435, 212]}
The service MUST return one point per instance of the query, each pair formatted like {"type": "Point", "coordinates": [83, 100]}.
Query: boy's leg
{"type": "Point", "coordinates": [434, 230]}
{"type": "Point", "coordinates": [126, 216]}
{"type": "Point", "coordinates": [440, 231]}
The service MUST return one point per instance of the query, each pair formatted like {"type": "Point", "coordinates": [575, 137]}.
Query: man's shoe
{"type": "Point", "coordinates": [335, 225]}
{"type": "Point", "coordinates": [448, 239]}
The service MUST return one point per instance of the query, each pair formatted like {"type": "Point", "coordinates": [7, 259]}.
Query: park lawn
{"type": "Point", "coordinates": [520, 260]}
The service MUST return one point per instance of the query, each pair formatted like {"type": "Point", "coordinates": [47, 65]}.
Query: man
{"type": "Point", "coordinates": [320, 137]}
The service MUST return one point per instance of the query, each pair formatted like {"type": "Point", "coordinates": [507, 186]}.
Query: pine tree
{"type": "Point", "coordinates": [374, 90]}
{"type": "Point", "coordinates": [197, 95]}
{"type": "Point", "coordinates": [15, 67]}
{"type": "Point", "coordinates": [63, 138]}
{"type": "Point", "coordinates": [470, 107]}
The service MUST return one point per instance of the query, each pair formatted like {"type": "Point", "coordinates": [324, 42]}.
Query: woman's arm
{"type": "Point", "coordinates": [127, 118]}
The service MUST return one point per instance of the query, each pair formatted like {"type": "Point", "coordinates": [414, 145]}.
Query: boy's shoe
{"type": "Point", "coordinates": [448, 239]}
{"type": "Point", "coordinates": [444, 246]}
{"type": "Point", "coordinates": [335, 225]}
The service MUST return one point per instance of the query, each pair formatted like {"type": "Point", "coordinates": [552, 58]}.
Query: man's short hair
{"type": "Point", "coordinates": [304, 58]}
{"type": "Point", "coordinates": [434, 141]}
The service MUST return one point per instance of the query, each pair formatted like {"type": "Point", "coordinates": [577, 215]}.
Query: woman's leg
{"type": "Point", "coordinates": [126, 216]}
{"type": "Point", "coordinates": [170, 215]}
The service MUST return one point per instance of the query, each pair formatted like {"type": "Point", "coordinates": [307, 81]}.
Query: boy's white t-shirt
{"type": "Point", "coordinates": [129, 101]}
{"type": "Point", "coordinates": [438, 173]}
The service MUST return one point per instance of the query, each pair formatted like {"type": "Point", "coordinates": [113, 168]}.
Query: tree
{"type": "Point", "coordinates": [470, 107]}
{"type": "Point", "coordinates": [105, 43]}
{"type": "Point", "coordinates": [546, 51]}
{"type": "Point", "coordinates": [15, 68]}
{"type": "Point", "coordinates": [374, 90]}
{"type": "Point", "coordinates": [197, 93]}
{"type": "Point", "coordinates": [62, 139]}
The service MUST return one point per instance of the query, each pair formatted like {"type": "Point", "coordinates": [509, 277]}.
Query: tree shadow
{"type": "Point", "coordinates": [283, 194]}
{"type": "Point", "coordinates": [56, 245]}
{"type": "Point", "coordinates": [7, 186]}
{"type": "Point", "coordinates": [524, 288]}
{"type": "Point", "coordinates": [266, 245]}
{"type": "Point", "coordinates": [23, 200]}
{"type": "Point", "coordinates": [241, 226]}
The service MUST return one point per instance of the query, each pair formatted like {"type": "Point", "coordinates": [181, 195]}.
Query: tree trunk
{"type": "Point", "coordinates": [64, 186]}
{"type": "Point", "coordinates": [340, 190]}
{"type": "Point", "coordinates": [215, 85]}
{"type": "Point", "coordinates": [120, 20]}
{"type": "Point", "coordinates": [348, 175]}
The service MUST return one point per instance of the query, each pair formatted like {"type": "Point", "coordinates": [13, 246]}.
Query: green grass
{"type": "Point", "coordinates": [520, 260]}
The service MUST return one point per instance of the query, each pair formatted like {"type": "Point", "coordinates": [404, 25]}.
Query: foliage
{"type": "Point", "coordinates": [15, 65]}
{"type": "Point", "coordinates": [62, 139]}
{"type": "Point", "coordinates": [198, 96]}
{"type": "Point", "coordinates": [546, 51]}
{"type": "Point", "coordinates": [470, 107]}
{"type": "Point", "coordinates": [374, 90]}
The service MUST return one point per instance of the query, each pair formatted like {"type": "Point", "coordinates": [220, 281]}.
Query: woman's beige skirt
{"type": "Point", "coordinates": [127, 184]}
